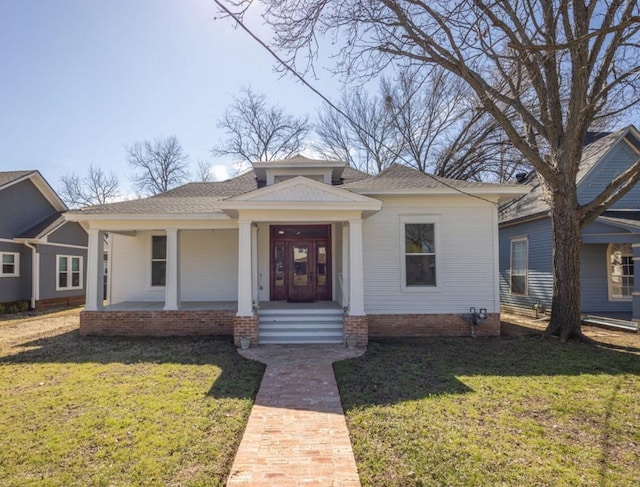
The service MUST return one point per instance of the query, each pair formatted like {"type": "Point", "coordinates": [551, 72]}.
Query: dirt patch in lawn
{"type": "Point", "coordinates": [519, 325]}
{"type": "Point", "coordinates": [15, 329]}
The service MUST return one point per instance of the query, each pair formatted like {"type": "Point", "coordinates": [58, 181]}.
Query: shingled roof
{"type": "Point", "coordinates": [193, 198]}
{"type": "Point", "coordinates": [399, 177]}
{"type": "Point", "coordinates": [7, 177]}
{"type": "Point", "coordinates": [533, 203]}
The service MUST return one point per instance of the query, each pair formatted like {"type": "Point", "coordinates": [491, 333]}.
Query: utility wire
{"type": "Point", "coordinates": [332, 105]}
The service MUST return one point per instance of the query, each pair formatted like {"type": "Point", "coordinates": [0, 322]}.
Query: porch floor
{"type": "Point", "coordinates": [284, 305]}
{"type": "Point", "coordinates": [184, 306]}
{"type": "Point", "coordinates": [220, 305]}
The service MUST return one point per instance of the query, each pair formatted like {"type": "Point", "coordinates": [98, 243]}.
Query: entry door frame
{"type": "Point", "coordinates": [282, 240]}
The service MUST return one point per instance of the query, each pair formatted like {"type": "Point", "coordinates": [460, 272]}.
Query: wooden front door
{"type": "Point", "coordinates": [301, 263]}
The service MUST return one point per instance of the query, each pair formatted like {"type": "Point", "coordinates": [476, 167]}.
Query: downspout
{"type": "Point", "coordinates": [35, 275]}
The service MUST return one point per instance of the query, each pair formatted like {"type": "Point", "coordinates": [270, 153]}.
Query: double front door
{"type": "Point", "coordinates": [300, 263]}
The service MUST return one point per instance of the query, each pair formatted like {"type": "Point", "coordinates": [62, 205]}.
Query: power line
{"type": "Point", "coordinates": [331, 104]}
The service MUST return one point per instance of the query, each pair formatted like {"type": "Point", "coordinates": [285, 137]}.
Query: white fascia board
{"type": "Point", "coordinates": [372, 205]}
{"type": "Point", "coordinates": [87, 217]}
{"type": "Point", "coordinates": [43, 186]}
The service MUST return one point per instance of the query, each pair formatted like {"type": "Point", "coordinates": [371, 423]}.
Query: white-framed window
{"type": "Point", "coordinates": [69, 272]}
{"type": "Point", "coordinates": [519, 266]}
{"type": "Point", "coordinates": [158, 260]}
{"type": "Point", "coordinates": [10, 264]}
{"type": "Point", "coordinates": [620, 271]}
{"type": "Point", "coordinates": [418, 243]}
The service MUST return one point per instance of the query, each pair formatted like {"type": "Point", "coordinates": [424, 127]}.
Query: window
{"type": "Point", "coordinates": [158, 260]}
{"type": "Point", "coordinates": [419, 254]}
{"type": "Point", "coordinates": [10, 264]}
{"type": "Point", "coordinates": [620, 261]}
{"type": "Point", "coordinates": [519, 265]}
{"type": "Point", "coordinates": [69, 272]}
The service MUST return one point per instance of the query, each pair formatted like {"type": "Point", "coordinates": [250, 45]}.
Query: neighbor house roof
{"type": "Point", "coordinates": [533, 204]}
{"type": "Point", "coordinates": [7, 177]}
{"type": "Point", "coordinates": [43, 228]}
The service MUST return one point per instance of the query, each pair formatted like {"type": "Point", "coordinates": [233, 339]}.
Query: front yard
{"type": "Point", "coordinates": [487, 412]}
{"type": "Point", "coordinates": [122, 411]}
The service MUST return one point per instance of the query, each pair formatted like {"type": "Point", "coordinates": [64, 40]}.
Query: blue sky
{"type": "Point", "coordinates": [82, 79]}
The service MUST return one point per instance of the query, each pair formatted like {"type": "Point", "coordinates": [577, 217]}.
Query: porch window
{"type": "Point", "coordinates": [519, 265]}
{"type": "Point", "coordinates": [10, 264]}
{"type": "Point", "coordinates": [419, 254]}
{"type": "Point", "coordinates": [158, 260]}
{"type": "Point", "coordinates": [620, 261]}
{"type": "Point", "coordinates": [69, 272]}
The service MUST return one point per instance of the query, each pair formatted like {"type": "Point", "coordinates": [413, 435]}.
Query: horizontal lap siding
{"type": "Point", "coordinates": [594, 290]}
{"type": "Point", "coordinates": [465, 257]}
{"type": "Point", "coordinates": [540, 273]}
{"type": "Point", "coordinates": [617, 161]}
{"type": "Point", "coordinates": [208, 266]}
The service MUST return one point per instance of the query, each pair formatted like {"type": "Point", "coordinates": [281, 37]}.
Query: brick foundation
{"type": "Point", "coordinates": [157, 323]}
{"type": "Point", "coordinates": [429, 325]}
{"type": "Point", "coordinates": [357, 326]}
{"type": "Point", "coordinates": [245, 326]}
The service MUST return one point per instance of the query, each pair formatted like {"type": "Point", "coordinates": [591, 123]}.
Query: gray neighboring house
{"type": "Point", "coordinates": [43, 256]}
{"type": "Point", "coordinates": [611, 244]}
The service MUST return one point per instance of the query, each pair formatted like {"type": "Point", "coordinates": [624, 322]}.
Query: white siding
{"type": "Point", "coordinates": [263, 261]}
{"type": "Point", "coordinates": [465, 257]}
{"type": "Point", "coordinates": [208, 266]}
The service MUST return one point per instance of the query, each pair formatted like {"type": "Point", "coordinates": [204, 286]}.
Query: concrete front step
{"type": "Point", "coordinates": [300, 326]}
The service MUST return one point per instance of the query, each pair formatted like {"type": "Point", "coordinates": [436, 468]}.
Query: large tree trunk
{"type": "Point", "coordinates": [567, 242]}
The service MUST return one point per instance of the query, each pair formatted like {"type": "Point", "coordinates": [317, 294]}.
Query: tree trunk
{"type": "Point", "coordinates": [567, 242]}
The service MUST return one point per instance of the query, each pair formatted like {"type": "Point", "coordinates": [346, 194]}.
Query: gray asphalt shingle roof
{"type": "Point", "coordinates": [7, 177]}
{"type": "Point", "coordinates": [41, 229]}
{"type": "Point", "coordinates": [399, 177]}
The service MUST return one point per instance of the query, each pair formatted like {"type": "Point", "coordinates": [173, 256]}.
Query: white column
{"type": "Point", "coordinates": [172, 286]}
{"type": "Point", "coordinates": [345, 265]}
{"type": "Point", "coordinates": [245, 288]}
{"type": "Point", "coordinates": [254, 262]}
{"type": "Point", "coordinates": [95, 270]}
{"type": "Point", "coordinates": [356, 270]}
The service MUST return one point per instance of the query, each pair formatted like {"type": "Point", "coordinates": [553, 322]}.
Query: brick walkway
{"type": "Point", "coordinates": [296, 434]}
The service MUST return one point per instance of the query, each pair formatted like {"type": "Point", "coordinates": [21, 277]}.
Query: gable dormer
{"type": "Point", "coordinates": [327, 172]}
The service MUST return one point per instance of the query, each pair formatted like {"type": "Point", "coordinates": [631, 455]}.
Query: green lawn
{"type": "Point", "coordinates": [490, 412]}
{"type": "Point", "coordinates": [121, 411]}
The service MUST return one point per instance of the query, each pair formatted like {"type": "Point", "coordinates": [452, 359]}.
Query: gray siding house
{"type": "Point", "coordinates": [43, 256]}
{"type": "Point", "coordinates": [611, 243]}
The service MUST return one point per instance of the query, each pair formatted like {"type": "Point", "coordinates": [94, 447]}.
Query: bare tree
{"type": "Point", "coordinates": [367, 140]}
{"type": "Point", "coordinates": [257, 131]}
{"type": "Point", "coordinates": [94, 188]}
{"type": "Point", "coordinates": [160, 165]}
{"type": "Point", "coordinates": [545, 70]}
{"type": "Point", "coordinates": [204, 172]}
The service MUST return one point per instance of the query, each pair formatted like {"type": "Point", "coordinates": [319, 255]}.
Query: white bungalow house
{"type": "Point", "coordinates": [297, 251]}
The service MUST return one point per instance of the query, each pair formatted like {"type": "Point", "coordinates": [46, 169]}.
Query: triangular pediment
{"type": "Point", "coordinates": [300, 190]}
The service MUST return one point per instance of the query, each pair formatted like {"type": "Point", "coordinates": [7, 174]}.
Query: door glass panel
{"type": "Point", "coordinates": [278, 258]}
{"type": "Point", "coordinates": [322, 265]}
{"type": "Point", "coordinates": [300, 265]}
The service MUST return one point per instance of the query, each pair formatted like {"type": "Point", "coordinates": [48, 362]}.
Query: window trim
{"type": "Point", "coordinates": [16, 264]}
{"type": "Point", "coordinates": [70, 286]}
{"type": "Point", "coordinates": [156, 287]}
{"type": "Point", "coordinates": [513, 240]}
{"type": "Point", "coordinates": [420, 219]}
{"type": "Point", "coordinates": [609, 275]}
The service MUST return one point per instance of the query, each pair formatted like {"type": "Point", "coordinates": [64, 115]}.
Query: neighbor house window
{"type": "Point", "coordinates": [158, 260]}
{"type": "Point", "coordinates": [10, 264]}
{"type": "Point", "coordinates": [620, 261]}
{"type": "Point", "coordinates": [419, 254]}
{"type": "Point", "coordinates": [69, 272]}
{"type": "Point", "coordinates": [519, 265]}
